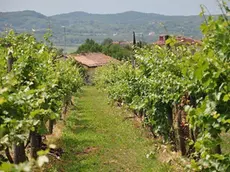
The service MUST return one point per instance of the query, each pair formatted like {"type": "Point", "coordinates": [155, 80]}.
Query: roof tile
{"type": "Point", "coordinates": [93, 59]}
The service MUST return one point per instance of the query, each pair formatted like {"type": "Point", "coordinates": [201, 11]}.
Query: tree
{"type": "Point", "coordinates": [89, 46]}
{"type": "Point", "coordinates": [107, 47]}
{"type": "Point", "coordinates": [118, 52]}
{"type": "Point", "coordinates": [107, 41]}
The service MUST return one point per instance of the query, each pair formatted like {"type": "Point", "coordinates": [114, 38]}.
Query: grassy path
{"type": "Point", "coordinates": [97, 137]}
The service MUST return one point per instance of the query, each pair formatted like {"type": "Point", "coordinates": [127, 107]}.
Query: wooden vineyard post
{"type": "Point", "coordinates": [170, 122]}
{"type": "Point", "coordinates": [10, 62]}
{"type": "Point", "coordinates": [7, 152]}
{"type": "Point", "coordinates": [19, 149]}
{"type": "Point", "coordinates": [134, 45]}
{"type": "Point", "coordinates": [65, 107]}
{"type": "Point", "coordinates": [51, 125]}
{"type": "Point", "coordinates": [35, 141]}
{"type": "Point", "coordinates": [180, 125]}
{"type": "Point", "coordinates": [19, 153]}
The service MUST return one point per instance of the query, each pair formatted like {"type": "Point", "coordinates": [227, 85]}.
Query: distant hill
{"type": "Point", "coordinates": [24, 20]}
{"type": "Point", "coordinates": [81, 25]}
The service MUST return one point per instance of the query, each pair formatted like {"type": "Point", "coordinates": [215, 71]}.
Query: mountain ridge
{"type": "Point", "coordinates": [128, 11]}
{"type": "Point", "coordinates": [80, 25]}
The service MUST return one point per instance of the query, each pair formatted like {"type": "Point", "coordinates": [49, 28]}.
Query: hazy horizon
{"type": "Point", "coordinates": [164, 7]}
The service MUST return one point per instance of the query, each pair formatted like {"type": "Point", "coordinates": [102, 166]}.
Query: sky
{"type": "Point", "coordinates": [166, 7]}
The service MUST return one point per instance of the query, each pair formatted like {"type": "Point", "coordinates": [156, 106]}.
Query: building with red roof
{"type": "Point", "coordinates": [180, 39]}
{"type": "Point", "coordinates": [90, 61]}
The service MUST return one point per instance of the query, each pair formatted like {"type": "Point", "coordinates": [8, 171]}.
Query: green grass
{"type": "Point", "coordinates": [226, 142]}
{"type": "Point", "coordinates": [98, 138]}
{"type": "Point", "coordinates": [69, 49]}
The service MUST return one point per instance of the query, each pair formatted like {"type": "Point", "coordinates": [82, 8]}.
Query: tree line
{"type": "Point", "coordinates": [107, 47]}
